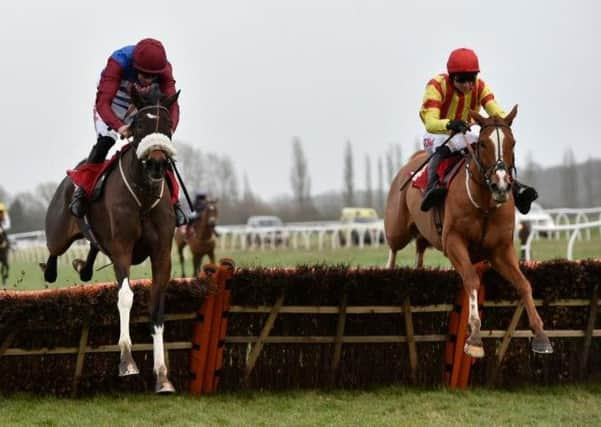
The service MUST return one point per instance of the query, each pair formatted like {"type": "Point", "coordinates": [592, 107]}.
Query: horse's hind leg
{"type": "Point", "coordinates": [50, 269]}
{"type": "Point", "coordinates": [161, 270]}
{"type": "Point", "coordinates": [421, 245]}
{"type": "Point", "coordinates": [86, 269]}
{"type": "Point", "coordinates": [4, 273]}
{"type": "Point", "coordinates": [180, 251]}
{"type": "Point", "coordinates": [459, 257]}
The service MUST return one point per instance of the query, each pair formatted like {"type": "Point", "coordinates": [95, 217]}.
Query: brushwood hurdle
{"type": "Point", "coordinates": [309, 327]}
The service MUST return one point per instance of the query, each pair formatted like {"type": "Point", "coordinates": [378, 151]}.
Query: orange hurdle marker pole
{"type": "Point", "coordinates": [200, 339]}
{"type": "Point", "coordinates": [450, 345]}
{"type": "Point", "coordinates": [209, 375]}
{"type": "Point", "coordinates": [228, 267]}
{"type": "Point", "coordinates": [460, 341]}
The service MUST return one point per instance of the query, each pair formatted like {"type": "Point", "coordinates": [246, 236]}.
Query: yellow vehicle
{"type": "Point", "coordinates": [358, 215]}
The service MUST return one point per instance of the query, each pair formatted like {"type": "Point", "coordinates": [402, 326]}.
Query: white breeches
{"type": "Point", "coordinates": [434, 140]}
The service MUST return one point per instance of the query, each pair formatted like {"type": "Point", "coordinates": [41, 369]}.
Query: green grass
{"type": "Point", "coordinates": [388, 406]}
{"type": "Point", "coordinates": [28, 275]}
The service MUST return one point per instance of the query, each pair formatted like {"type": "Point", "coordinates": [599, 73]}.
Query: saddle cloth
{"type": "Point", "coordinates": [447, 170]}
{"type": "Point", "coordinates": [92, 176]}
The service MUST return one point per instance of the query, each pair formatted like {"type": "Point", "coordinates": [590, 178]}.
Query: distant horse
{"type": "Point", "coordinates": [132, 220]}
{"type": "Point", "coordinates": [478, 221]}
{"type": "Point", "coordinates": [200, 237]}
{"type": "Point", "coordinates": [4, 247]}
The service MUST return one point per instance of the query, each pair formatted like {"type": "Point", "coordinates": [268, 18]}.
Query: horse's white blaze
{"type": "Point", "coordinates": [158, 348]}
{"type": "Point", "coordinates": [497, 140]}
{"type": "Point", "coordinates": [152, 116]}
{"type": "Point", "coordinates": [502, 175]}
{"type": "Point", "coordinates": [125, 301]}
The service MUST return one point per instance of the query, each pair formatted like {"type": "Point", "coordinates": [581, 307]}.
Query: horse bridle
{"type": "Point", "coordinates": [497, 166]}
{"type": "Point", "coordinates": [158, 107]}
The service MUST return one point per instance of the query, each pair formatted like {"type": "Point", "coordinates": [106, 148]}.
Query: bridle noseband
{"type": "Point", "coordinates": [499, 165]}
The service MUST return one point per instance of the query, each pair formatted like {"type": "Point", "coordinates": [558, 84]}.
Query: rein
{"type": "Point", "coordinates": [132, 192]}
{"type": "Point", "coordinates": [486, 174]}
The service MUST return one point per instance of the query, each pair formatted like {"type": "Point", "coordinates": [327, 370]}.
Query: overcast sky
{"type": "Point", "coordinates": [253, 74]}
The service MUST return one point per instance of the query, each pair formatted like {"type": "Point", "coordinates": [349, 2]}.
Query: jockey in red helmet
{"type": "Point", "coordinates": [139, 65]}
{"type": "Point", "coordinates": [445, 109]}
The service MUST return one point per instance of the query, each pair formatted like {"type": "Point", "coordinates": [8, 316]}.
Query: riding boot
{"type": "Point", "coordinates": [180, 216]}
{"type": "Point", "coordinates": [435, 192]}
{"type": "Point", "coordinates": [79, 200]}
{"type": "Point", "coordinates": [523, 196]}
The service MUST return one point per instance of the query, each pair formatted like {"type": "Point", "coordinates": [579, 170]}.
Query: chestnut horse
{"type": "Point", "coordinates": [200, 238]}
{"type": "Point", "coordinates": [478, 221]}
{"type": "Point", "coordinates": [132, 220]}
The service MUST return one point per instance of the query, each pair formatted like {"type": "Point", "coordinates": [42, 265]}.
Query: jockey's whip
{"type": "Point", "coordinates": [415, 172]}
{"type": "Point", "coordinates": [181, 182]}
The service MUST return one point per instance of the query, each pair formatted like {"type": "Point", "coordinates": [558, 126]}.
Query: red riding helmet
{"type": "Point", "coordinates": [463, 61]}
{"type": "Point", "coordinates": [150, 57]}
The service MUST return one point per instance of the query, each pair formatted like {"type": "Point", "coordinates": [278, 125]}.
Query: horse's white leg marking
{"type": "Point", "coordinates": [159, 351]}
{"type": "Point", "coordinates": [473, 312]}
{"type": "Point", "coordinates": [125, 301]}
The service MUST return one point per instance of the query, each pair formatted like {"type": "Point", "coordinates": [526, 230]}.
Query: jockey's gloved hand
{"type": "Point", "coordinates": [458, 126]}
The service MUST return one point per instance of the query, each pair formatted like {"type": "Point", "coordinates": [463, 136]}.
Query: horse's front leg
{"type": "Point", "coordinates": [458, 255]}
{"type": "Point", "coordinates": [161, 272]}
{"type": "Point", "coordinates": [122, 261]}
{"type": "Point", "coordinates": [505, 262]}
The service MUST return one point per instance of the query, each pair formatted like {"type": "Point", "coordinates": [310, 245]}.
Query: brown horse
{"type": "Point", "coordinates": [200, 237]}
{"type": "Point", "coordinates": [131, 221]}
{"type": "Point", "coordinates": [478, 221]}
{"type": "Point", "coordinates": [4, 247]}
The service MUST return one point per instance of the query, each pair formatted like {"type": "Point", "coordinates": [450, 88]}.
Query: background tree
{"type": "Point", "coordinates": [569, 179]}
{"type": "Point", "coordinates": [299, 177]}
{"type": "Point", "coordinates": [380, 207]}
{"type": "Point", "coordinates": [369, 194]}
{"type": "Point", "coordinates": [45, 192]}
{"type": "Point", "coordinates": [389, 165]}
{"type": "Point", "coordinates": [349, 186]}
{"type": "Point", "coordinates": [27, 213]}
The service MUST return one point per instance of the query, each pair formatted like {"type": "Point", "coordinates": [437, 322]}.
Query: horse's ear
{"type": "Point", "coordinates": [136, 99]}
{"type": "Point", "coordinates": [170, 100]}
{"type": "Point", "coordinates": [477, 117]}
{"type": "Point", "coordinates": [509, 117]}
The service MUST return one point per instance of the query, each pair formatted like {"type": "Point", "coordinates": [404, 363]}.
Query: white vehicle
{"type": "Point", "coordinates": [538, 216]}
{"type": "Point", "coordinates": [266, 229]}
